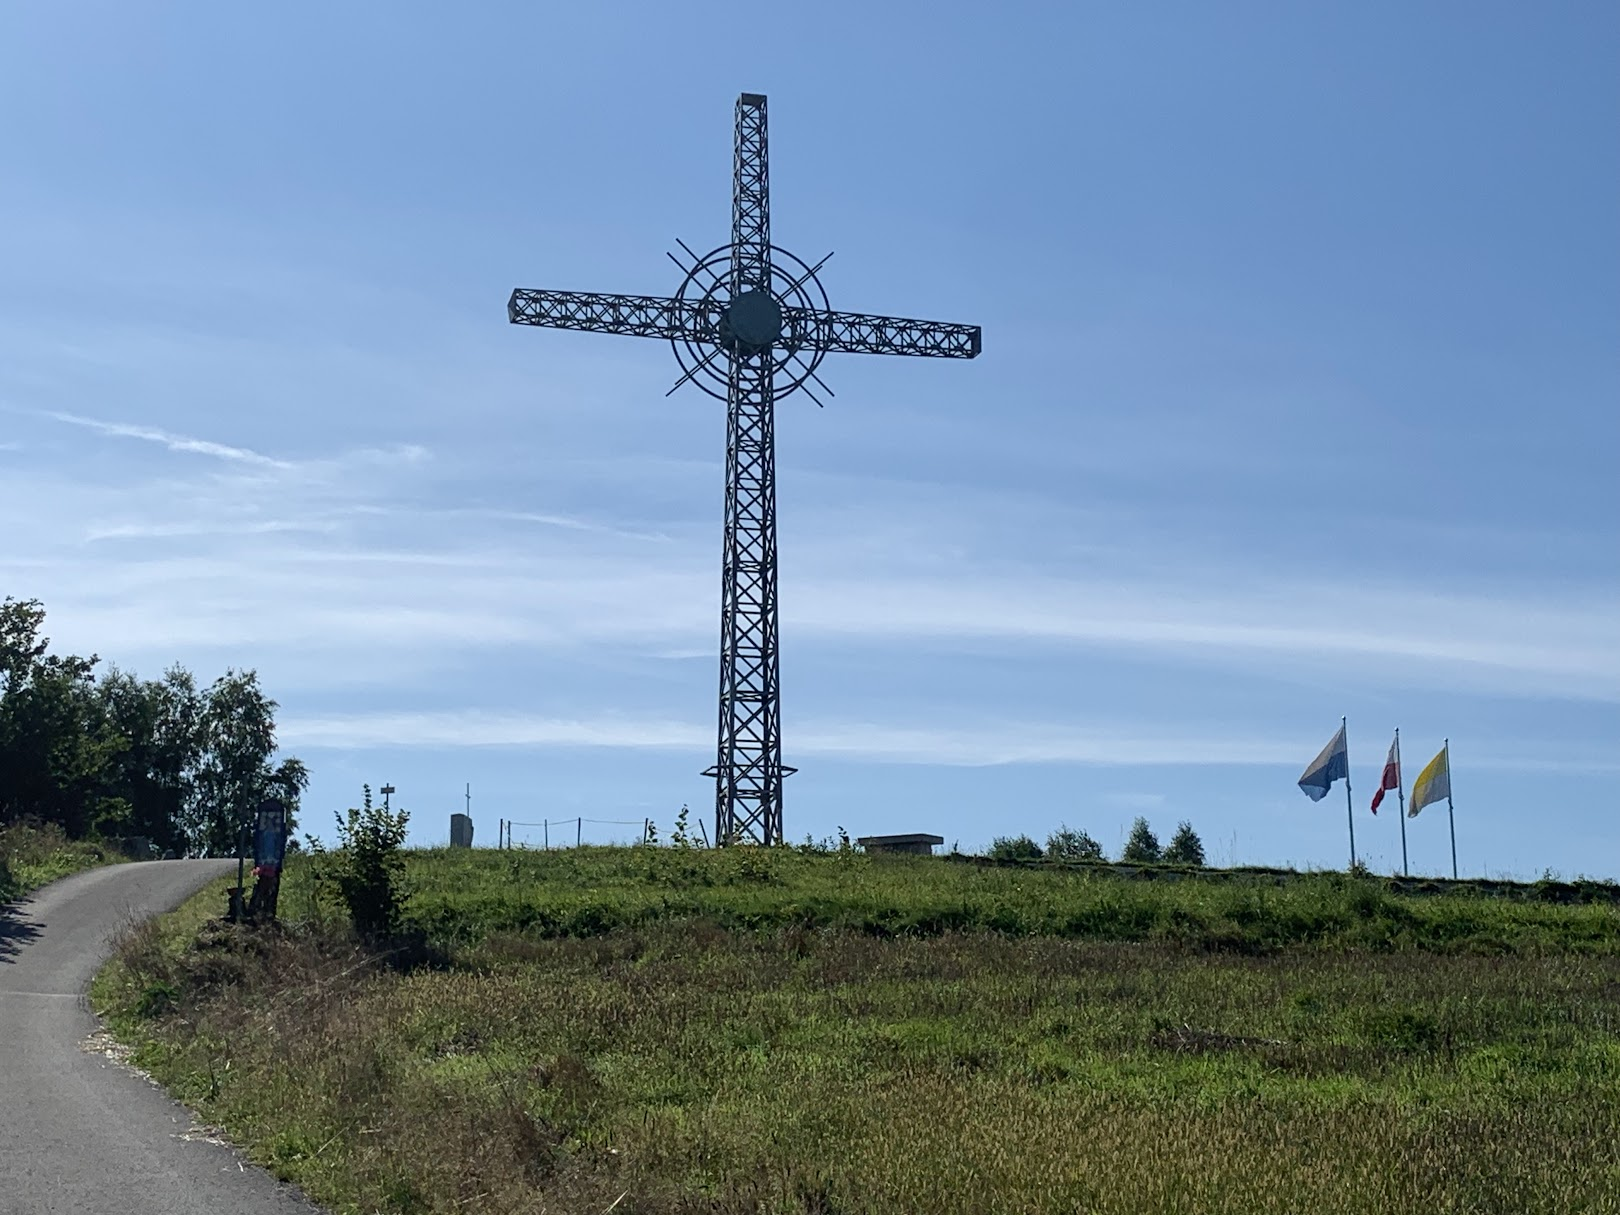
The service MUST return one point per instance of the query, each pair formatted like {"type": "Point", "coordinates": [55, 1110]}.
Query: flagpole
{"type": "Point", "coordinates": [1451, 813]}
{"type": "Point", "coordinates": [1400, 788]}
{"type": "Point", "coordinates": [1349, 807]}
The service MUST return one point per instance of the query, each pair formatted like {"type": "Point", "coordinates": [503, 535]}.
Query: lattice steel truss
{"type": "Point", "coordinates": [749, 324]}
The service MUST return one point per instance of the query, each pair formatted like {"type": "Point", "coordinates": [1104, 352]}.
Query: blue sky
{"type": "Point", "coordinates": [1298, 399]}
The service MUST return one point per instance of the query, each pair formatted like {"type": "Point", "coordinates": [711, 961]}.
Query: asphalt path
{"type": "Point", "coordinates": [78, 1132]}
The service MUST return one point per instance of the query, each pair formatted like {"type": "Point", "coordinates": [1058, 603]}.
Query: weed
{"type": "Point", "coordinates": [157, 999]}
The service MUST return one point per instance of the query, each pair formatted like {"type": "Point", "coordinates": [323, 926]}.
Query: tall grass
{"type": "Point", "coordinates": [681, 1033]}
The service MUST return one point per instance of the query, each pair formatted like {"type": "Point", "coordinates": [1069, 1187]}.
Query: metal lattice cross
{"type": "Point", "coordinates": [766, 312]}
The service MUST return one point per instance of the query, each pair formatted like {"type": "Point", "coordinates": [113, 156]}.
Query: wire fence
{"type": "Point", "coordinates": [578, 822]}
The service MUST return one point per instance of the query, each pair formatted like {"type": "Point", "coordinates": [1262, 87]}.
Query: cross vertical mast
{"type": "Point", "coordinates": [750, 200]}
{"type": "Point", "coordinates": [767, 313]}
{"type": "Point", "coordinates": [748, 763]}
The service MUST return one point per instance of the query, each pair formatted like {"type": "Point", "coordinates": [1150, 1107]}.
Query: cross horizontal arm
{"type": "Point", "coordinates": [598, 312]}
{"type": "Point", "coordinates": [857, 333]}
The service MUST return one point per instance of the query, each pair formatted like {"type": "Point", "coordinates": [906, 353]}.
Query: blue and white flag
{"type": "Point", "coordinates": [1333, 764]}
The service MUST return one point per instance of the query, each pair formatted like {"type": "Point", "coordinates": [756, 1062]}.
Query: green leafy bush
{"type": "Point", "coordinates": [1066, 844]}
{"type": "Point", "coordinates": [368, 866]}
{"type": "Point", "coordinates": [1014, 848]}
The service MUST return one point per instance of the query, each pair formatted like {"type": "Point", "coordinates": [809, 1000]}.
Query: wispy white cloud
{"type": "Point", "coordinates": [482, 729]}
{"type": "Point", "coordinates": [388, 456]}
{"type": "Point", "coordinates": [398, 453]}
{"type": "Point", "coordinates": [984, 744]}
{"type": "Point", "coordinates": [174, 442]}
{"type": "Point", "coordinates": [571, 523]}
{"type": "Point", "coordinates": [1568, 647]}
{"type": "Point", "coordinates": [340, 587]}
{"type": "Point", "coordinates": [980, 746]}
{"type": "Point", "coordinates": [199, 527]}
{"type": "Point", "coordinates": [992, 744]}
{"type": "Point", "coordinates": [399, 562]}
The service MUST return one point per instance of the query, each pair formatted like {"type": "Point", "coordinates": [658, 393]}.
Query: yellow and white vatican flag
{"type": "Point", "coordinates": [1433, 783]}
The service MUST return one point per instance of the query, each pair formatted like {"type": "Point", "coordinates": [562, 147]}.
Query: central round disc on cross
{"type": "Point", "coordinates": [751, 322]}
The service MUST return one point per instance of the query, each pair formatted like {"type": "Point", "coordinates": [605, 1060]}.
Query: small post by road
{"type": "Point", "coordinates": [236, 909]}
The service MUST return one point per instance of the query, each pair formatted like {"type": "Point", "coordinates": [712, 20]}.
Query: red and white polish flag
{"type": "Point", "coordinates": [1392, 773]}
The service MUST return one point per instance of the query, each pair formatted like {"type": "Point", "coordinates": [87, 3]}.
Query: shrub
{"type": "Point", "coordinates": [1142, 848]}
{"type": "Point", "coordinates": [1014, 848]}
{"type": "Point", "coordinates": [1066, 844]}
{"type": "Point", "coordinates": [368, 866]}
{"type": "Point", "coordinates": [1185, 847]}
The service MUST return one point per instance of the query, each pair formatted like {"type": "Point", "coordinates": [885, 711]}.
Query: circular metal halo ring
{"type": "Point", "coordinates": [794, 285]}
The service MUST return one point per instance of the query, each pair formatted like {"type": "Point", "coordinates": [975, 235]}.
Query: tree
{"type": "Point", "coordinates": [154, 772]}
{"type": "Point", "coordinates": [1142, 848]}
{"type": "Point", "coordinates": [1015, 848]}
{"type": "Point", "coordinates": [117, 755]}
{"type": "Point", "coordinates": [1065, 844]}
{"type": "Point", "coordinates": [237, 732]}
{"type": "Point", "coordinates": [58, 746]}
{"type": "Point", "coordinates": [21, 646]}
{"type": "Point", "coordinates": [1185, 847]}
{"type": "Point", "coordinates": [54, 739]}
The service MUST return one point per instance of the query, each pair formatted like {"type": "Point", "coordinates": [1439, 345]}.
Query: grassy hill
{"type": "Point", "coordinates": [467, 896]}
{"type": "Point", "coordinates": [746, 1031]}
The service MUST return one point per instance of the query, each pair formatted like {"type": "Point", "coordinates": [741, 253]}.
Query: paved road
{"type": "Point", "coordinates": [78, 1134]}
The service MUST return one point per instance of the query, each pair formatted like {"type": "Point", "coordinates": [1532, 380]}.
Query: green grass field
{"type": "Point", "coordinates": [685, 1031]}
{"type": "Point", "coordinates": [31, 857]}
{"type": "Point", "coordinates": [467, 896]}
